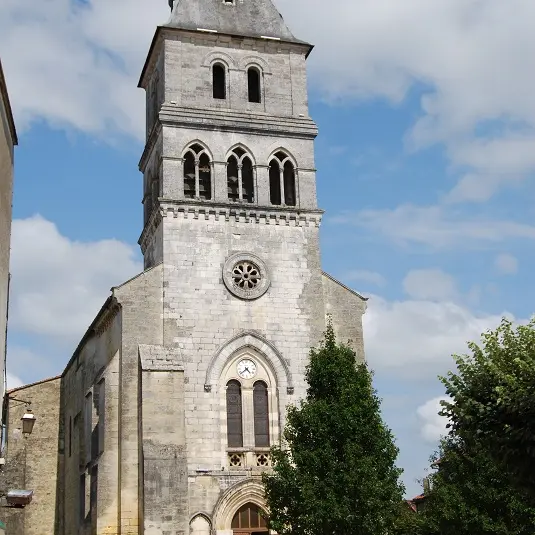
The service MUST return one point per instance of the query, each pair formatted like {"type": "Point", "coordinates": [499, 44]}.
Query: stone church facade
{"type": "Point", "coordinates": [162, 421]}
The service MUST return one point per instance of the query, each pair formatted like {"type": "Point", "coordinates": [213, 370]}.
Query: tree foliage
{"type": "Point", "coordinates": [471, 495]}
{"type": "Point", "coordinates": [336, 473]}
{"type": "Point", "coordinates": [493, 401]}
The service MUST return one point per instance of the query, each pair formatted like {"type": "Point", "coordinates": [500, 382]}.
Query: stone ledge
{"type": "Point", "coordinates": [210, 210]}
{"type": "Point", "coordinates": [160, 358]}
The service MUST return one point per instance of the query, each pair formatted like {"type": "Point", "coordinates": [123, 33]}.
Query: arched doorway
{"type": "Point", "coordinates": [249, 520]}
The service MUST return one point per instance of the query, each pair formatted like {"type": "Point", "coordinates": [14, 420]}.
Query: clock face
{"type": "Point", "coordinates": [246, 369]}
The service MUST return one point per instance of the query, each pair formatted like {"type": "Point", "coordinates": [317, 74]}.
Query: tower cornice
{"type": "Point", "coordinates": [244, 213]}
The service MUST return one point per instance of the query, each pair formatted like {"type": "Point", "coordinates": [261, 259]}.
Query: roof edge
{"type": "Point", "coordinates": [106, 308]}
{"type": "Point", "coordinates": [344, 286]}
{"type": "Point", "coordinates": [29, 385]}
{"type": "Point", "coordinates": [7, 104]}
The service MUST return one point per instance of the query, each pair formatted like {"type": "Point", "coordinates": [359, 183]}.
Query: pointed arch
{"type": "Point", "coordinates": [247, 491]}
{"type": "Point", "coordinates": [200, 524]}
{"type": "Point", "coordinates": [190, 144]}
{"type": "Point", "coordinates": [287, 155]}
{"type": "Point", "coordinates": [243, 147]}
{"type": "Point", "coordinates": [282, 178]}
{"type": "Point", "coordinates": [256, 342]}
{"type": "Point", "coordinates": [197, 171]}
{"type": "Point", "coordinates": [241, 174]}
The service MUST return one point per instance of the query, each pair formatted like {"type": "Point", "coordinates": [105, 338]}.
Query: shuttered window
{"type": "Point", "coordinates": [234, 415]}
{"type": "Point", "coordinates": [261, 415]}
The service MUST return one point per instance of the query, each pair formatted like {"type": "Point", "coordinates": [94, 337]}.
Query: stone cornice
{"type": "Point", "coordinates": [263, 215]}
{"type": "Point", "coordinates": [238, 121]}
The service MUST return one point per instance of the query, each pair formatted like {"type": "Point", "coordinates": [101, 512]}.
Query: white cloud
{"type": "Point", "coordinates": [62, 56]}
{"type": "Point", "coordinates": [433, 425]}
{"type": "Point", "coordinates": [474, 59]}
{"type": "Point", "coordinates": [13, 381]}
{"type": "Point", "coordinates": [506, 264]}
{"type": "Point", "coordinates": [58, 284]}
{"type": "Point", "coordinates": [415, 339]}
{"type": "Point", "coordinates": [436, 227]}
{"type": "Point", "coordinates": [365, 276]}
{"type": "Point", "coordinates": [432, 284]}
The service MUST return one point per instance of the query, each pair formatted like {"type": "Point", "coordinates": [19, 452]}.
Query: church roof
{"type": "Point", "coordinates": [248, 18]}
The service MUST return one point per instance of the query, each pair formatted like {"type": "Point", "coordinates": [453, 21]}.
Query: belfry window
{"type": "Point", "coordinates": [219, 82]}
{"type": "Point", "coordinates": [234, 415]}
{"type": "Point", "coordinates": [282, 180]}
{"type": "Point", "coordinates": [253, 80]}
{"type": "Point", "coordinates": [261, 414]}
{"type": "Point", "coordinates": [197, 174]}
{"type": "Point", "coordinates": [240, 177]}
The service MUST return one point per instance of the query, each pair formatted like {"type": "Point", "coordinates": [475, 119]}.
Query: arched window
{"type": "Point", "coordinates": [261, 414]}
{"type": "Point", "coordinates": [250, 519]}
{"type": "Point", "coordinates": [282, 180]}
{"type": "Point", "coordinates": [199, 526]}
{"type": "Point", "coordinates": [274, 182]}
{"type": "Point", "coordinates": [234, 415]}
{"type": "Point", "coordinates": [253, 80]}
{"type": "Point", "coordinates": [240, 177]}
{"type": "Point", "coordinates": [197, 174]}
{"type": "Point", "coordinates": [219, 83]}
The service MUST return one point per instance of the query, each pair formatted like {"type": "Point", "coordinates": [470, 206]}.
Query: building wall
{"type": "Point", "coordinates": [32, 462]}
{"type": "Point", "coordinates": [7, 142]}
{"type": "Point", "coordinates": [187, 77]}
{"type": "Point", "coordinates": [91, 433]}
{"type": "Point", "coordinates": [346, 309]}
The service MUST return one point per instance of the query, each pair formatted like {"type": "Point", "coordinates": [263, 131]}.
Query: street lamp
{"type": "Point", "coordinates": [28, 421]}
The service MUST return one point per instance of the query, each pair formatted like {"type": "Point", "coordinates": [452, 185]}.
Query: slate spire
{"type": "Point", "coordinates": [248, 18]}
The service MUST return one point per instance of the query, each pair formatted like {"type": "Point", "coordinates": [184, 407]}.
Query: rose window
{"type": "Point", "coordinates": [246, 275]}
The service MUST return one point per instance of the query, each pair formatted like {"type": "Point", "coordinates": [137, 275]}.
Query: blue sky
{"type": "Point", "coordinates": [425, 161]}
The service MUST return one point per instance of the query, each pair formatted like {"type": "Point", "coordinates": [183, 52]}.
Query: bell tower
{"type": "Point", "coordinates": [230, 217]}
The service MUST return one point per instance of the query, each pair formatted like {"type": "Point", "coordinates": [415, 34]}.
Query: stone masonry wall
{"type": "Point", "coordinates": [188, 76]}
{"type": "Point", "coordinates": [95, 365]}
{"type": "Point", "coordinates": [346, 309]}
{"type": "Point", "coordinates": [141, 304]}
{"type": "Point", "coordinates": [32, 462]}
{"type": "Point", "coordinates": [201, 315]}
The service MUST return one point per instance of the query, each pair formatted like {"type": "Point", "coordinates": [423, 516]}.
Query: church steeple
{"type": "Point", "coordinates": [248, 18]}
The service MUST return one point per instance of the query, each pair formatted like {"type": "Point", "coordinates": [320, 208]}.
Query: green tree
{"type": "Point", "coordinates": [471, 496]}
{"type": "Point", "coordinates": [336, 473]}
{"type": "Point", "coordinates": [493, 401]}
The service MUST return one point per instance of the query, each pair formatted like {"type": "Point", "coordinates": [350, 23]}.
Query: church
{"type": "Point", "coordinates": [162, 421]}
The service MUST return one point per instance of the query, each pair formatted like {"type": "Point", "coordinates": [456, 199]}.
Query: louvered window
{"type": "Point", "coordinates": [261, 414]}
{"type": "Point", "coordinates": [234, 415]}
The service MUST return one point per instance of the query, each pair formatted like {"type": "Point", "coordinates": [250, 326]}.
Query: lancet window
{"type": "Point", "coordinates": [250, 399]}
{"type": "Point", "coordinates": [240, 177]}
{"type": "Point", "coordinates": [282, 180]}
{"type": "Point", "coordinates": [197, 174]}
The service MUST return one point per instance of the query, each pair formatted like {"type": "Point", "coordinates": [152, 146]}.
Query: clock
{"type": "Point", "coordinates": [246, 369]}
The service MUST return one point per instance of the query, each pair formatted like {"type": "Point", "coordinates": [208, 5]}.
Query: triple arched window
{"type": "Point", "coordinates": [219, 83]}
{"type": "Point", "coordinates": [282, 180]}
{"type": "Point", "coordinates": [197, 173]}
{"type": "Point", "coordinates": [235, 409]}
{"type": "Point", "coordinates": [240, 177]}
